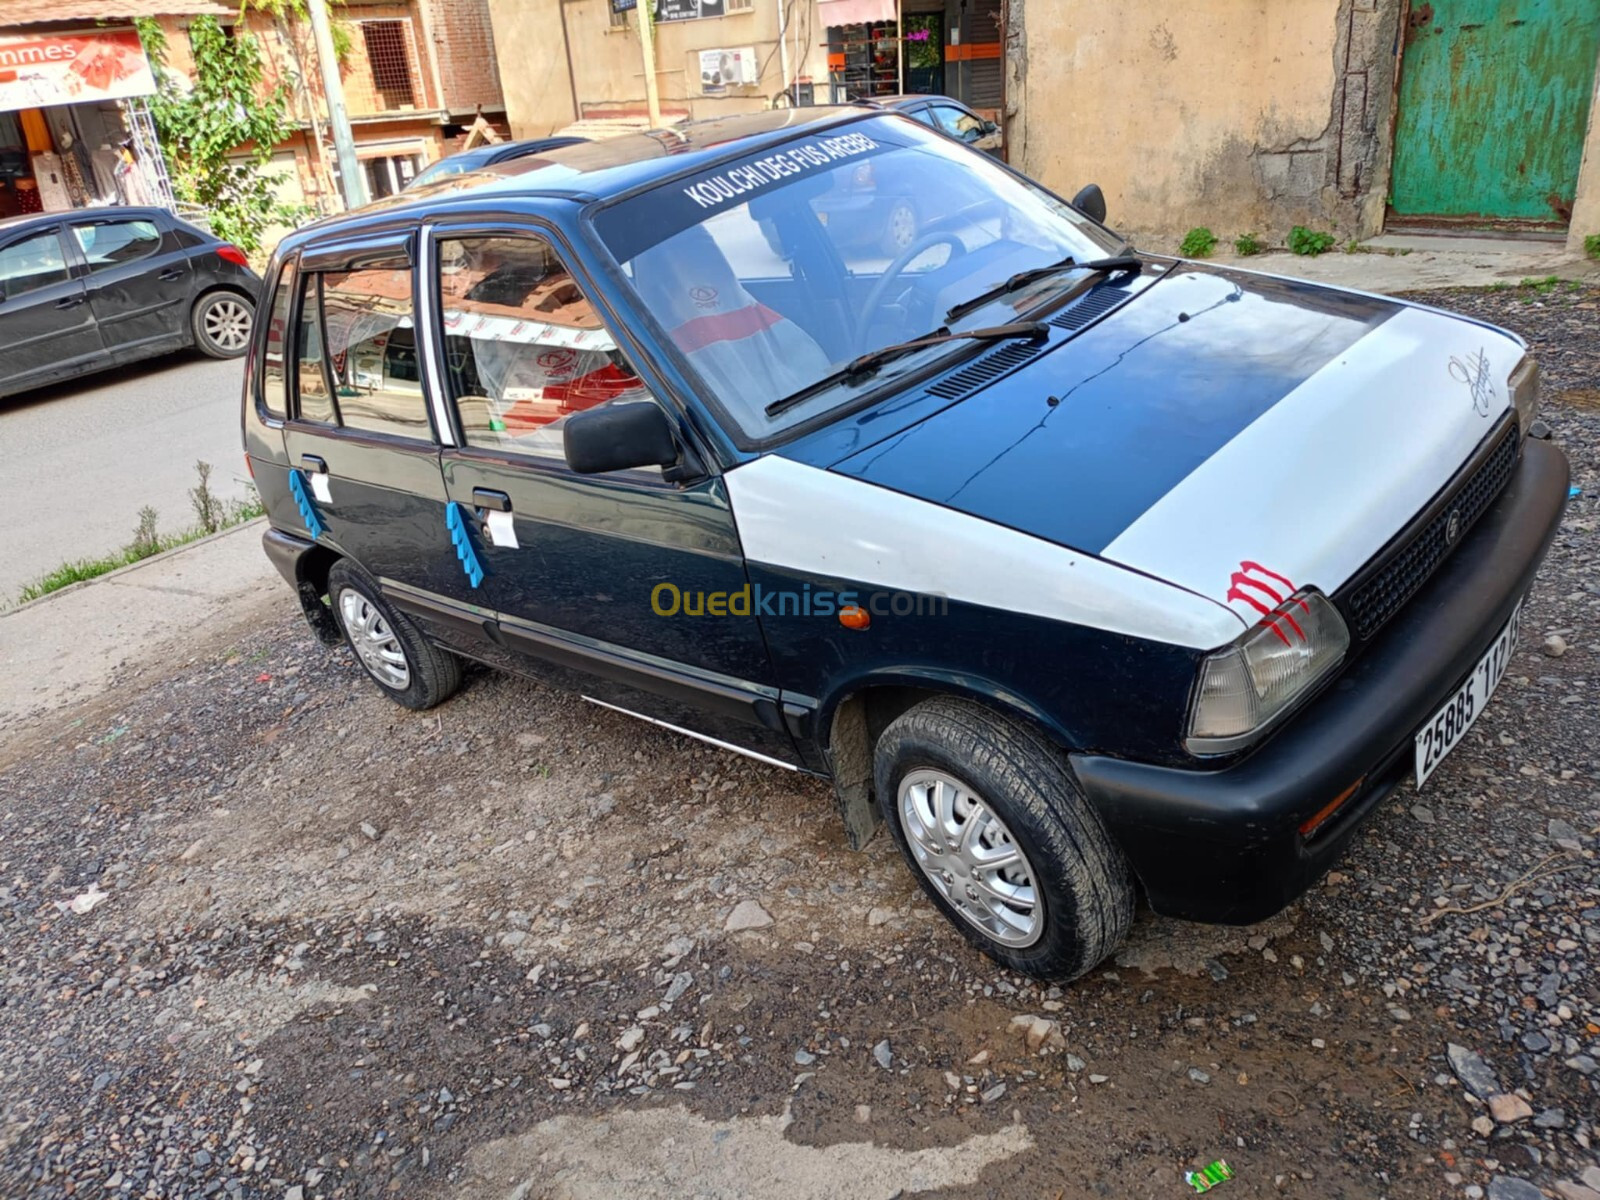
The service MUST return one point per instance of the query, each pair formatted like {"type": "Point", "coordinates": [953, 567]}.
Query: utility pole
{"type": "Point", "coordinates": [350, 181]}
{"type": "Point", "coordinates": [647, 46]}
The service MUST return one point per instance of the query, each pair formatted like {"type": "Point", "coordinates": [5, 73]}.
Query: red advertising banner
{"type": "Point", "coordinates": [72, 68]}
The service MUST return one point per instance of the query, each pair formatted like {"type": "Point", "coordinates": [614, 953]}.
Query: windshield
{"type": "Point", "coordinates": [443, 169]}
{"type": "Point", "coordinates": [774, 272]}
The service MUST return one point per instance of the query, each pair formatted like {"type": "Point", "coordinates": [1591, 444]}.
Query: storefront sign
{"type": "Point", "coordinates": [687, 10]}
{"type": "Point", "coordinates": [72, 68]}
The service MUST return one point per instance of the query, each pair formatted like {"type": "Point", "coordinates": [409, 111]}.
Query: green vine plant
{"type": "Point", "coordinates": [203, 125]}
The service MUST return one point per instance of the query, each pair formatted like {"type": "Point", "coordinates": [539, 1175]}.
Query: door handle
{"type": "Point", "coordinates": [312, 462]}
{"type": "Point", "coordinates": [489, 498]}
{"type": "Point", "coordinates": [69, 302]}
{"type": "Point", "coordinates": [170, 274]}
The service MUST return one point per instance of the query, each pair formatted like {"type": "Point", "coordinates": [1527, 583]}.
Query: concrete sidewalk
{"type": "Point", "coordinates": [1413, 262]}
{"type": "Point", "coordinates": [71, 644]}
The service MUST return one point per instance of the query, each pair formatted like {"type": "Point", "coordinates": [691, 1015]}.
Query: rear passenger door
{"type": "Point", "coordinates": [139, 280]}
{"type": "Point", "coordinates": [576, 562]}
{"type": "Point", "coordinates": [359, 432]}
{"type": "Point", "coordinates": [47, 330]}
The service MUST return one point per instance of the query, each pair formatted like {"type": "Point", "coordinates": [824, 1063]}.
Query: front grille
{"type": "Point", "coordinates": [1402, 570]}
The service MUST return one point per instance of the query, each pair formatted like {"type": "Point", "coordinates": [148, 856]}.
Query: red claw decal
{"type": "Point", "coordinates": [1256, 585]}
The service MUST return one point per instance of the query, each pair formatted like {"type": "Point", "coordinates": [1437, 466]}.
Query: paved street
{"type": "Point", "coordinates": [78, 460]}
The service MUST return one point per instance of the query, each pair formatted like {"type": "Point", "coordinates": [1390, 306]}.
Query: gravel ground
{"type": "Point", "coordinates": [519, 947]}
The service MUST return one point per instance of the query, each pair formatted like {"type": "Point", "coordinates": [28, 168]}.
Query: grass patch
{"type": "Point", "coordinates": [214, 515]}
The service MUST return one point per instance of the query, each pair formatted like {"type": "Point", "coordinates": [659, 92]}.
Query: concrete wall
{"type": "Point", "coordinates": [1586, 206]}
{"type": "Point", "coordinates": [607, 73]}
{"type": "Point", "coordinates": [1243, 115]}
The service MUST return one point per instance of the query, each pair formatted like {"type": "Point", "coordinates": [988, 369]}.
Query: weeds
{"type": "Point", "coordinates": [1591, 246]}
{"type": "Point", "coordinates": [1309, 241]}
{"type": "Point", "coordinates": [1197, 243]}
{"type": "Point", "coordinates": [1543, 286]}
{"type": "Point", "coordinates": [1247, 244]}
{"type": "Point", "coordinates": [214, 515]}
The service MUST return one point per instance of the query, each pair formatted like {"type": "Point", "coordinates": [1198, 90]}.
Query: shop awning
{"type": "Point", "coordinates": [854, 12]}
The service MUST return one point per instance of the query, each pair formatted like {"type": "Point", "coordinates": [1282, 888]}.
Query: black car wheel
{"type": "Point", "coordinates": [410, 670]}
{"type": "Point", "coordinates": [1000, 838]}
{"type": "Point", "coordinates": [222, 323]}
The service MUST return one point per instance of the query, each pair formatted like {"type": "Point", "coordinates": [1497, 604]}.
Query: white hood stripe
{"type": "Point", "coordinates": [805, 519]}
{"type": "Point", "coordinates": [1317, 484]}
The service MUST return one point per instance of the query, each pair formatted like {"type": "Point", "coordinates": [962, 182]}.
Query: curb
{"type": "Point", "coordinates": [109, 576]}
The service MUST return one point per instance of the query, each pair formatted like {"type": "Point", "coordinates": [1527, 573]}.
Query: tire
{"type": "Point", "coordinates": [376, 633]}
{"type": "Point", "coordinates": [900, 227]}
{"type": "Point", "coordinates": [1082, 891]}
{"type": "Point", "coordinates": [221, 324]}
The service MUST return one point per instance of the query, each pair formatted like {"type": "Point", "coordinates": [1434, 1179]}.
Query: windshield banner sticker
{"type": "Point", "coordinates": [736, 182]}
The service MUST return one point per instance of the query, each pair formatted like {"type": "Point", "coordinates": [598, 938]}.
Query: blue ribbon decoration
{"type": "Point", "coordinates": [462, 540]}
{"type": "Point", "coordinates": [302, 501]}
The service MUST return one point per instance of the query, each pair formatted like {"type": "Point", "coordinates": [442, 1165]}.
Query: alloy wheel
{"type": "Point", "coordinates": [227, 324]}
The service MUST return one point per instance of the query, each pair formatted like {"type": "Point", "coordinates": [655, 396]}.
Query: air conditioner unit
{"type": "Point", "coordinates": [725, 68]}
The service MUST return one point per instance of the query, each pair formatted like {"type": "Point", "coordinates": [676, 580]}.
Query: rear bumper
{"type": "Point", "coordinates": [1224, 846]}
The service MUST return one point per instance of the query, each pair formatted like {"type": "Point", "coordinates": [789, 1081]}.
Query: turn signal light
{"type": "Point", "coordinates": [853, 616]}
{"type": "Point", "coordinates": [228, 252]}
{"type": "Point", "coordinates": [1320, 818]}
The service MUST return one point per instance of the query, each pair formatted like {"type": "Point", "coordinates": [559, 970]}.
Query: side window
{"type": "Point", "coordinates": [357, 336]}
{"type": "Point", "coordinates": [925, 115]}
{"type": "Point", "coordinates": [274, 386]}
{"type": "Point", "coordinates": [112, 243]}
{"type": "Point", "coordinates": [524, 347]}
{"type": "Point", "coordinates": [314, 398]}
{"type": "Point", "coordinates": [959, 123]}
{"type": "Point", "coordinates": [31, 264]}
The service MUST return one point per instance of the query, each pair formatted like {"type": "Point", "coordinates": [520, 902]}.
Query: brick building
{"type": "Point", "coordinates": [415, 73]}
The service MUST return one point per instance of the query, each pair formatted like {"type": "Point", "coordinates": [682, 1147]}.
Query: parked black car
{"type": "Point", "coordinates": [952, 118]}
{"type": "Point", "coordinates": [101, 287]}
{"type": "Point", "coordinates": [486, 156]}
{"type": "Point", "coordinates": [1087, 571]}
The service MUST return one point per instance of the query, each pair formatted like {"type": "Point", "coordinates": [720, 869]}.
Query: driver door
{"type": "Point", "coordinates": [624, 586]}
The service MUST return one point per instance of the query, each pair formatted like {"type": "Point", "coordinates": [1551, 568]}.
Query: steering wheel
{"type": "Point", "coordinates": [893, 271]}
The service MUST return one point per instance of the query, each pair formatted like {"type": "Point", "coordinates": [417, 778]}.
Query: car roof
{"type": "Point", "coordinates": [601, 169]}
{"type": "Point", "coordinates": [491, 152]}
{"type": "Point", "coordinates": [12, 224]}
{"type": "Point", "coordinates": [912, 99]}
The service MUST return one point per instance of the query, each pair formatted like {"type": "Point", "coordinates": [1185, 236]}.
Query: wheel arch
{"type": "Point", "coordinates": [851, 720]}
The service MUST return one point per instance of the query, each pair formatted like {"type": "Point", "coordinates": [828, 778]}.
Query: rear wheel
{"type": "Point", "coordinates": [900, 228]}
{"type": "Point", "coordinates": [222, 323]}
{"type": "Point", "coordinates": [409, 669]}
{"type": "Point", "coordinates": [1001, 839]}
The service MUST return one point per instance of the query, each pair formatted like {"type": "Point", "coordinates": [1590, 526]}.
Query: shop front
{"type": "Point", "coordinates": [74, 132]}
{"type": "Point", "coordinates": [881, 48]}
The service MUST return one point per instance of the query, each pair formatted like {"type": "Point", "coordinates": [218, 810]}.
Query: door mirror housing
{"type": "Point", "coordinates": [1091, 202]}
{"type": "Point", "coordinates": [619, 437]}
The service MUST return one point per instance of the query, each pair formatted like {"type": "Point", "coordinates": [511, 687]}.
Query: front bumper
{"type": "Point", "coordinates": [1224, 846]}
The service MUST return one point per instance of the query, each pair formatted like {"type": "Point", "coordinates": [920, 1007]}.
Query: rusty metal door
{"type": "Point", "coordinates": [1494, 102]}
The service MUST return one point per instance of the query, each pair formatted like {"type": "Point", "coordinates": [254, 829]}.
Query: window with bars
{"type": "Point", "coordinates": [389, 58]}
{"type": "Point", "coordinates": [738, 6]}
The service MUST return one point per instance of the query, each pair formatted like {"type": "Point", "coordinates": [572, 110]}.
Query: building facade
{"type": "Point", "coordinates": [416, 75]}
{"type": "Point", "coordinates": [1251, 116]}
{"type": "Point", "coordinates": [580, 61]}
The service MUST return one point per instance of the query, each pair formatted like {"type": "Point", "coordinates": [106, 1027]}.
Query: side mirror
{"type": "Point", "coordinates": [619, 437]}
{"type": "Point", "coordinates": [990, 127]}
{"type": "Point", "coordinates": [1091, 202]}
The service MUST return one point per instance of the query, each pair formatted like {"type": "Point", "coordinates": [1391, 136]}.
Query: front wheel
{"type": "Point", "coordinates": [221, 323]}
{"type": "Point", "coordinates": [409, 669]}
{"type": "Point", "coordinates": [992, 822]}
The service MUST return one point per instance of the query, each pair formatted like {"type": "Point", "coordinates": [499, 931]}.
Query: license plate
{"type": "Point", "coordinates": [1450, 724]}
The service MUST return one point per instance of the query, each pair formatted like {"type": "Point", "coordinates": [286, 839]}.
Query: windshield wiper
{"type": "Point", "coordinates": [1118, 262]}
{"type": "Point", "coordinates": [867, 363]}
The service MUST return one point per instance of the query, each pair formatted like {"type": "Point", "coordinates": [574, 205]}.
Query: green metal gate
{"type": "Point", "coordinates": [1494, 102]}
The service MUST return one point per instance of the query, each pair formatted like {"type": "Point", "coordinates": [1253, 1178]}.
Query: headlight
{"type": "Point", "coordinates": [1247, 686]}
{"type": "Point", "coordinates": [1524, 385]}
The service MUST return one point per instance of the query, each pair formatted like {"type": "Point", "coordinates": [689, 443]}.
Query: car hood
{"type": "Point", "coordinates": [1219, 423]}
